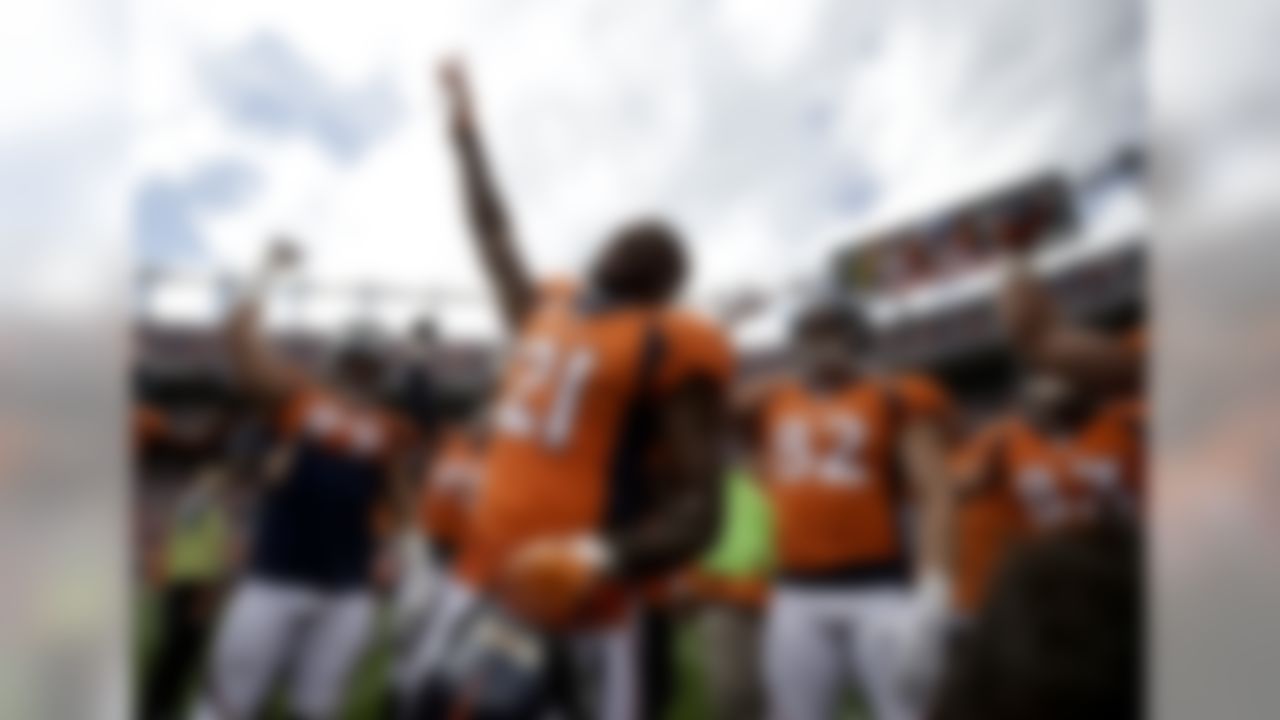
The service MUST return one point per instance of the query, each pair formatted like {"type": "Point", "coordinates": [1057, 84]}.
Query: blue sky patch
{"type": "Point", "coordinates": [166, 211]}
{"type": "Point", "coordinates": [266, 86]}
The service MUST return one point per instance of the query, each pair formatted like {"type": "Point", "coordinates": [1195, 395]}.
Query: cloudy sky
{"type": "Point", "coordinates": [765, 129]}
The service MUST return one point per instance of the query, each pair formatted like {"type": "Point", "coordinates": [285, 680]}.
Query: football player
{"type": "Point", "coordinates": [1064, 459]}
{"type": "Point", "coordinates": [1072, 449]}
{"type": "Point", "coordinates": [601, 470]}
{"type": "Point", "coordinates": [1081, 398]}
{"type": "Point", "coordinates": [305, 602]}
{"type": "Point", "coordinates": [846, 454]}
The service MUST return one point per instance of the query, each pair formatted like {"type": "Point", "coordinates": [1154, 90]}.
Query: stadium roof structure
{"type": "Point", "coordinates": [979, 284]}
{"type": "Point", "coordinates": [1117, 222]}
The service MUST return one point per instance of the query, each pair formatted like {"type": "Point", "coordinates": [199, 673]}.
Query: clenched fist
{"type": "Point", "coordinates": [284, 254]}
{"type": "Point", "coordinates": [457, 91]}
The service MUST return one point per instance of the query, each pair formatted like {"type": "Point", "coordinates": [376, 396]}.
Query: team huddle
{"type": "Point", "coordinates": [540, 534]}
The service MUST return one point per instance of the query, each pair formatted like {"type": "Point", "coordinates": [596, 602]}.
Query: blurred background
{"type": "Point", "coordinates": [898, 151]}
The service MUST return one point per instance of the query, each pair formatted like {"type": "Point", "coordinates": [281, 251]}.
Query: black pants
{"type": "Point", "coordinates": [187, 614]}
{"type": "Point", "coordinates": [657, 662]}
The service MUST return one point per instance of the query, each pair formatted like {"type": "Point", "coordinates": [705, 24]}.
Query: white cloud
{"type": "Point", "coordinates": [76, 73]}
{"type": "Point", "coordinates": [962, 97]}
{"type": "Point", "coordinates": [756, 126]}
{"type": "Point", "coordinates": [765, 36]}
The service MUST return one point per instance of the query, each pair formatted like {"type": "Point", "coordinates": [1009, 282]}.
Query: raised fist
{"type": "Point", "coordinates": [283, 254]}
{"type": "Point", "coordinates": [742, 304]}
{"type": "Point", "coordinates": [1024, 305]}
{"type": "Point", "coordinates": [457, 90]}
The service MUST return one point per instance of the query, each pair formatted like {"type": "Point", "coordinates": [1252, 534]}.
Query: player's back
{"type": "Point", "coordinates": [573, 430]}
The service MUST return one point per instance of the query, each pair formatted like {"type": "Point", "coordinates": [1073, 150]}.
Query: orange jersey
{"type": "Point", "coordinates": [571, 433]}
{"type": "Point", "coordinates": [452, 483]}
{"type": "Point", "coordinates": [1036, 484]}
{"type": "Point", "coordinates": [830, 460]}
{"type": "Point", "coordinates": [986, 524]}
{"type": "Point", "coordinates": [1063, 481]}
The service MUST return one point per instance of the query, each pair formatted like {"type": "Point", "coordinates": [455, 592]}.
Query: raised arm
{"type": "Point", "coordinates": [263, 372]}
{"type": "Point", "coordinates": [485, 210]}
{"type": "Point", "coordinates": [1095, 359]}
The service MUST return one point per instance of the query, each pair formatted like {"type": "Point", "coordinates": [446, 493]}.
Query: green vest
{"type": "Point", "coordinates": [744, 548]}
{"type": "Point", "coordinates": [197, 543]}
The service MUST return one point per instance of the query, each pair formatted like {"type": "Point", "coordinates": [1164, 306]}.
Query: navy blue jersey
{"type": "Point", "coordinates": [317, 523]}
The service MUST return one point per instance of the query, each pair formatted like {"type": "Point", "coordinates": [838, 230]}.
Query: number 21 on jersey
{"type": "Point", "coordinates": [542, 400]}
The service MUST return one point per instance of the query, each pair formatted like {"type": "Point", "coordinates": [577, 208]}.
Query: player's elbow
{"type": "Point", "coordinates": [703, 512]}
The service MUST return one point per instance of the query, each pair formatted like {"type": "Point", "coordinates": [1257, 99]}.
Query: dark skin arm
{"type": "Point", "coordinates": [265, 375]}
{"type": "Point", "coordinates": [1093, 359]}
{"type": "Point", "coordinates": [485, 209]}
{"type": "Point", "coordinates": [691, 425]}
